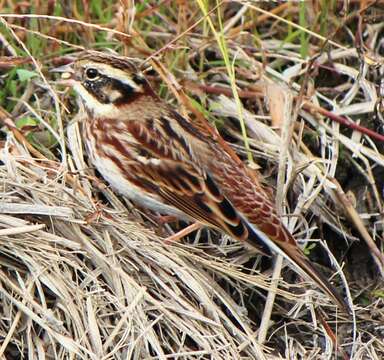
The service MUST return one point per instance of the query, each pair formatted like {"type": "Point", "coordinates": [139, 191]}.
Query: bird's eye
{"type": "Point", "coordinates": [92, 73]}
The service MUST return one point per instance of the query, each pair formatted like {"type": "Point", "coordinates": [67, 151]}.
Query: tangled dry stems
{"type": "Point", "coordinates": [85, 275]}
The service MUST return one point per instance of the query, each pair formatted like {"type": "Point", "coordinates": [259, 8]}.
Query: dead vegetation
{"type": "Point", "coordinates": [295, 88]}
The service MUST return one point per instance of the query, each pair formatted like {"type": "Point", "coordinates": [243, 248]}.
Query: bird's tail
{"type": "Point", "coordinates": [289, 250]}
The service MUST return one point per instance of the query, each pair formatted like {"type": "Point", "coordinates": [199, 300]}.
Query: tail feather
{"type": "Point", "coordinates": [290, 251]}
{"type": "Point", "coordinates": [307, 269]}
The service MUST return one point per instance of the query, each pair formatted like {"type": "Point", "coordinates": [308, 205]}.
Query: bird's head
{"type": "Point", "coordinates": [105, 83]}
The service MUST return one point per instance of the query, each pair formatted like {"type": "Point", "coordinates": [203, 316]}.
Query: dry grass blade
{"type": "Point", "coordinates": [9, 208]}
{"type": "Point", "coordinates": [280, 104]}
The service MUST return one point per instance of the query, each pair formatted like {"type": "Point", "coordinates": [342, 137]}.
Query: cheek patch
{"type": "Point", "coordinates": [114, 95]}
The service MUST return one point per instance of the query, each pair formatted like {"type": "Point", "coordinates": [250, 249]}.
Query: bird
{"type": "Point", "coordinates": [147, 151]}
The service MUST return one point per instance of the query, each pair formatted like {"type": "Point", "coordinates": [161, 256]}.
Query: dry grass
{"type": "Point", "coordinates": [84, 274]}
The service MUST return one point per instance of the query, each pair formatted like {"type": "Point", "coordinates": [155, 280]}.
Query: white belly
{"type": "Point", "coordinates": [111, 173]}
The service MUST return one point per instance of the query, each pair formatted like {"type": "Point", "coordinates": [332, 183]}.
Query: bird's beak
{"type": "Point", "coordinates": [67, 75]}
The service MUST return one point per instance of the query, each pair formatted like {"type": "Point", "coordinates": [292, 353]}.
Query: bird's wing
{"type": "Point", "coordinates": [168, 166]}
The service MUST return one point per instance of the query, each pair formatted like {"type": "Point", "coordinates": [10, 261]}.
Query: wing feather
{"type": "Point", "coordinates": [174, 170]}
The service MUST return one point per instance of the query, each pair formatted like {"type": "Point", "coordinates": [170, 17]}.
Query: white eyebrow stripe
{"type": "Point", "coordinates": [117, 74]}
{"type": "Point", "coordinates": [130, 83]}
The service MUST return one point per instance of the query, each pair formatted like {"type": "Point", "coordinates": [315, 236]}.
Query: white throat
{"type": "Point", "coordinates": [97, 108]}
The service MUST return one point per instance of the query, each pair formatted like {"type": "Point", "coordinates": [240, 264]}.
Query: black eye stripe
{"type": "Point", "coordinates": [125, 90]}
{"type": "Point", "coordinates": [102, 87]}
{"type": "Point", "coordinates": [138, 79]}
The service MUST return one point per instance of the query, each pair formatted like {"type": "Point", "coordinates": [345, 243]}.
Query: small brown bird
{"type": "Point", "coordinates": [150, 153]}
